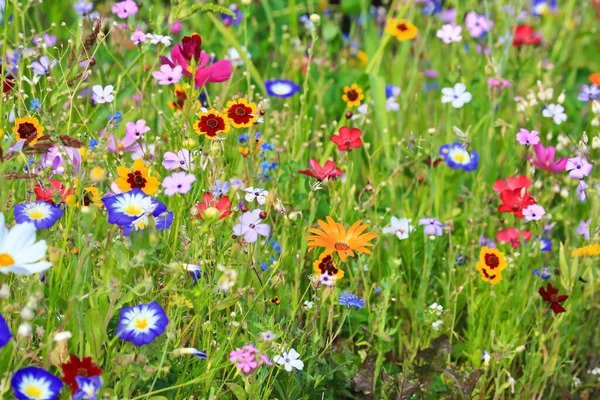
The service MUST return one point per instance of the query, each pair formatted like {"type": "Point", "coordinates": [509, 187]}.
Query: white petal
{"type": "Point", "coordinates": [32, 253]}
{"type": "Point", "coordinates": [298, 364]}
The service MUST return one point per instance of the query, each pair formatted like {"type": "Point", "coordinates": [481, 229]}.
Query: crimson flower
{"type": "Point", "coordinates": [525, 35]}
{"type": "Point", "coordinates": [348, 139]}
{"type": "Point", "coordinates": [545, 159]}
{"type": "Point", "coordinates": [550, 296]}
{"type": "Point", "coordinates": [328, 171]}
{"type": "Point", "coordinates": [514, 201]}
{"type": "Point", "coordinates": [78, 367]}
{"type": "Point", "coordinates": [212, 210]}
{"type": "Point", "coordinates": [191, 47]}
{"type": "Point", "coordinates": [55, 193]}
{"type": "Point", "coordinates": [513, 236]}
{"type": "Point", "coordinates": [514, 183]}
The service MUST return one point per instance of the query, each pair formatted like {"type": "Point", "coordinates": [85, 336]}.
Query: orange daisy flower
{"type": "Point", "coordinates": [28, 129]}
{"type": "Point", "coordinates": [137, 177]}
{"type": "Point", "coordinates": [211, 123]}
{"type": "Point", "coordinates": [334, 237]}
{"type": "Point", "coordinates": [401, 29]}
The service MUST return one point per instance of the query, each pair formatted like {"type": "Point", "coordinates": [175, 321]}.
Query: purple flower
{"type": "Point", "coordinates": [579, 167]}
{"type": "Point", "coordinates": [251, 227]}
{"type": "Point", "coordinates": [48, 40]}
{"type": "Point", "coordinates": [220, 188]}
{"type": "Point", "coordinates": [182, 159]}
{"type": "Point", "coordinates": [478, 25]}
{"type": "Point", "coordinates": [168, 75]}
{"type": "Point", "coordinates": [127, 145]}
{"type": "Point", "coordinates": [137, 129]}
{"type": "Point", "coordinates": [589, 93]}
{"type": "Point", "coordinates": [57, 158]}
{"type": "Point", "coordinates": [124, 9]}
{"type": "Point", "coordinates": [431, 73]}
{"type": "Point", "coordinates": [138, 37]}
{"type": "Point", "coordinates": [545, 159]}
{"type": "Point", "coordinates": [248, 359]}
{"type": "Point", "coordinates": [534, 212]}
{"type": "Point", "coordinates": [229, 20]}
{"type": "Point", "coordinates": [581, 195]}
{"type": "Point", "coordinates": [83, 7]}
{"type": "Point", "coordinates": [483, 241]}
{"type": "Point", "coordinates": [528, 138]}
{"type": "Point", "coordinates": [179, 182]}
{"type": "Point", "coordinates": [584, 228]}
{"type": "Point", "coordinates": [433, 226]}
{"type": "Point", "coordinates": [237, 183]}
{"type": "Point", "coordinates": [544, 273]}
{"type": "Point", "coordinates": [43, 66]}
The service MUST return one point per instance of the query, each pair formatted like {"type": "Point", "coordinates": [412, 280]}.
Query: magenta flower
{"type": "Point", "coordinates": [126, 145]}
{"type": "Point", "coordinates": [579, 167]}
{"type": "Point", "coordinates": [124, 9]}
{"type": "Point", "coordinates": [138, 37]}
{"type": "Point", "coordinates": [136, 129]}
{"type": "Point", "coordinates": [250, 226]}
{"type": "Point", "coordinates": [545, 159]}
{"type": "Point", "coordinates": [478, 25]}
{"type": "Point", "coordinates": [534, 212]}
{"type": "Point", "coordinates": [248, 359]}
{"type": "Point", "coordinates": [182, 159]}
{"type": "Point", "coordinates": [528, 138]}
{"type": "Point", "coordinates": [179, 182]}
{"type": "Point", "coordinates": [168, 75]}
{"type": "Point", "coordinates": [499, 83]}
{"type": "Point", "coordinates": [219, 71]}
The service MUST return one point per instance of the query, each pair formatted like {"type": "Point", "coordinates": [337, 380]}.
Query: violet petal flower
{"type": "Point", "coordinates": [579, 167]}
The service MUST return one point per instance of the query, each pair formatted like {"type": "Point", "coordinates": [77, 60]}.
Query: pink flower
{"type": "Point", "coordinates": [545, 159]}
{"type": "Point", "coordinates": [175, 27]}
{"type": "Point", "coordinates": [179, 182]}
{"type": "Point", "coordinates": [138, 37]}
{"type": "Point", "coordinates": [579, 167]}
{"type": "Point", "coordinates": [534, 212]}
{"type": "Point", "coordinates": [528, 138]}
{"type": "Point", "coordinates": [126, 145]}
{"type": "Point", "coordinates": [499, 83]}
{"type": "Point", "coordinates": [248, 359]}
{"type": "Point", "coordinates": [136, 130]}
{"type": "Point", "coordinates": [183, 160]}
{"type": "Point", "coordinates": [168, 75]}
{"type": "Point", "coordinates": [124, 9]}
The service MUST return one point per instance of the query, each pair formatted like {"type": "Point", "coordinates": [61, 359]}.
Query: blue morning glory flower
{"type": "Point", "coordinates": [351, 300]}
{"type": "Point", "coordinates": [457, 157]}
{"type": "Point", "coordinates": [35, 383]}
{"type": "Point", "coordinates": [5, 334]}
{"type": "Point", "coordinates": [43, 215]}
{"type": "Point", "coordinates": [132, 209]}
{"type": "Point", "coordinates": [281, 88]}
{"type": "Point", "coordinates": [544, 273]}
{"type": "Point", "coordinates": [142, 324]}
{"type": "Point", "coordinates": [88, 387]}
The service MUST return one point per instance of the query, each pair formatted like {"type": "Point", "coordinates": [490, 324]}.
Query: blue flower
{"type": "Point", "coordinates": [457, 157]}
{"type": "Point", "coordinates": [243, 138]}
{"type": "Point", "coordinates": [267, 147]}
{"type": "Point", "coordinates": [33, 383]}
{"type": "Point", "coordinates": [545, 244]}
{"type": "Point", "coordinates": [88, 388]}
{"type": "Point", "coordinates": [544, 273]}
{"type": "Point", "coordinates": [116, 118]}
{"type": "Point", "coordinates": [132, 209]}
{"type": "Point", "coordinates": [281, 88]}
{"type": "Point", "coordinates": [229, 20]}
{"type": "Point", "coordinates": [542, 7]}
{"type": "Point", "coordinates": [461, 260]}
{"type": "Point", "coordinates": [83, 7]}
{"type": "Point", "coordinates": [93, 143]}
{"type": "Point", "coordinates": [43, 215]}
{"type": "Point", "coordinates": [5, 334]}
{"type": "Point", "coordinates": [220, 188]}
{"type": "Point", "coordinates": [142, 324]}
{"type": "Point", "coordinates": [35, 104]}
{"type": "Point", "coordinates": [351, 300]}
{"type": "Point", "coordinates": [263, 266]}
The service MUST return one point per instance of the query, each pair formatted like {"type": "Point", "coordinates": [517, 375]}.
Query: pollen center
{"type": "Point", "coordinates": [341, 246]}
{"type": "Point", "coordinates": [492, 261]}
{"type": "Point", "coordinates": [36, 214]}
{"type": "Point", "coordinates": [33, 392]}
{"type": "Point", "coordinates": [133, 209]}
{"type": "Point", "coordinates": [240, 111]}
{"type": "Point", "coordinates": [352, 95]}
{"type": "Point", "coordinates": [402, 27]}
{"type": "Point", "coordinates": [213, 123]}
{"type": "Point", "coordinates": [141, 323]}
{"type": "Point", "coordinates": [6, 260]}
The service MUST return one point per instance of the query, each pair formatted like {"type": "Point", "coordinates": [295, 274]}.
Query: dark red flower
{"type": "Point", "coordinates": [515, 201]}
{"type": "Point", "coordinates": [348, 139]}
{"type": "Point", "coordinates": [78, 367]}
{"type": "Point", "coordinates": [431, 163]}
{"type": "Point", "coordinates": [550, 296]}
{"type": "Point", "coordinates": [210, 209]}
{"type": "Point", "coordinates": [513, 236]}
{"type": "Point", "coordinates": [8, 81]}
{"type": "Point", "coordinates": [191, 47]}
{"type": "Point", "coordinates": [525, 35]}
{"type": "Point", "coordinates": [328, 171]}
{"type": "Point", "coordinates": [55, 193]}
{"type": "Point", "coordinates": [514, 183]}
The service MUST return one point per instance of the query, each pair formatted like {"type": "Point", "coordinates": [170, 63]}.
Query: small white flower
{"type": "Point", "coordinates": [103, 95]}
{"type": "Point", "coordinates": [308, 304]}
{"type": "Point", "coordinates": [450, 33]}
{"type": "Point", "coordinates": [260, 195]}
{"type": "Point", "coordinates": [24, 330]}
{"type": "Point", "coordinates": [556, 112]}
{"type": "Point", "coordinates": [289, 360]}
{"type": "Point", "coordinates": [436, 325]}
{"type": "Point", "coordinates": [61, 336]}
{"type": "Point", "coordinates": [27, 314]}
{"type": "Point", "coordinates": [156, 39]}
{"type": "Point", "coordinates": [576, 381]}
{"type": "Point", "coordinates": [267, 336]}
{"type": "Point", "coordinates": [235, 57]}
{"type": "Point", "coordinates": [457, 95]}
{"type": "Point", "coordinates": [401, 227]}
{"type": "Point", "coordinates": [4, 291]}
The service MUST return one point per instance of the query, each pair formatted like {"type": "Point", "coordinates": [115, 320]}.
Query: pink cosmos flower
{"type": "Point", "coordinates": [138, 37]}
{"type": "Point", "coordinates": [182, 159]}
{"type": "Point", "coordinates": [248, 359]}
{"type": "Point", "coordinates": [168, 75]}
{"type": "Point", "coordinates": [179, 182]}
{"type": "Point", "coordinates": [124, 9]}
{"type": "Point", "coordinates": [545, 159]}
{"type": "Point", "coordinates": [528, 138]}
{"type": "Point", "coordinates": [126, 145]}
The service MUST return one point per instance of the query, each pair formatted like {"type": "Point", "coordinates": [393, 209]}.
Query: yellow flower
{"type": "Point", "coordinates": [491, 263]}
{"type": "Point", "coordinates": [401, 29]}
{"type": "Point", "coordinates": [241, 113]}
{"type": "Point", "coordinates": [91, 195]}
{"type": "Point", "coordinates": [28, 129]}
{"type": "Point", "coordinates": [353, 95]}
{"type": "Point", "coordinates": [97, 174]}
{"type": "Point", "coordinates": [138, 177]}
{"type": "Point", "coordinates": [590, 251]}
{"type": "Point", "coordinates": [334, 237]}
{"type": "Point", "coordinates": [211, 123]}
{"type": "Point", "coordinates": [326, 269]}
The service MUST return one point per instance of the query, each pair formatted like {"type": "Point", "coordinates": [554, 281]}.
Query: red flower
{"type": "Point", "coordinates": [55, 193]}
{"type": "Point", "coordinates": [78, 367]}
{"type": "Point", "coordinates": [550, 296]}
{"type": "Point", "coordinates": [329, 171]}
{"type": "Point", "coordinates": [515, 201]}
{"type": "Point", "coordinates": [524, 35]}
{"type": "Point", "coordinates": [210, 209]}
{"type": "Point", "coordinates": [348, 139]}
{"type": "Point", "coordinates": [513, 236]}
{"type": "Point", "coordinates": [514, 183]}
{"type": "Point", "coordinates": [191, 47]}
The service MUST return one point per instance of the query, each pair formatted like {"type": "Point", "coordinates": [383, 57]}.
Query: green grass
{"type": "Point", "coordinates": [388, 349]}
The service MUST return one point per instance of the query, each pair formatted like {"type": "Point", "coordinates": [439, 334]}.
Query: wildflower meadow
{"type": "Point", "coordinates": [299, 199]}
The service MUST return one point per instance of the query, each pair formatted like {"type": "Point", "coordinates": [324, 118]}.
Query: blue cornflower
{"type": "Point", "coordinates": [266, 165]}
{"type": "Point", "coordinates": [83, 7]}
{"type": "Point", "coordinates": [432, 7]}
{"type": "Point", "coordinates": [544, 273]}
{"type": "Point", "coordinates": [93, 143]}
{"type": "Point", "coordinates": [545, 244]}
{"type": "Point", "coordinates": [267, 147]}
{"type": "Point", "coordinates": [263, 266]}
{"type": "Point", "coordinates": [243, 138]}
{"type": "Point", "coordinates": [142, 324]}
{"type": "Point", "coordinates": [457, 157]}
{"type": "Point", "coordinates": [35, 104]}
{"type": "Point", "coordinates": [116, 118]}
{"type": "Point", "coordinates": [220, 188]}
{"type": "Point", "coordinates": [351, 300]}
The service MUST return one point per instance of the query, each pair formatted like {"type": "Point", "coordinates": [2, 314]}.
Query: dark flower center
{"type": "Point", "coordinates": [212, 123]}
{"type": "Point", "coordinates": [136, 180]}
{"type": "Point", "coordinates": [241, 111]}
{"type": "Point", "coordinates": [27, 131]}
{"type": "Point", "coordinates": [352, 95]}
{"type": "Point", "coordinates": [327, 266]}
{"type": "Point", "coordinates": [82, 372]}
{"type": "Point", "coordinates": [492, 261]}
{"type": "Point", "coordinates": [341, 246]}
{"type": "Point", "coordinates": [402, 27]}
{"type": "Point", "coordinates": [515, 207]}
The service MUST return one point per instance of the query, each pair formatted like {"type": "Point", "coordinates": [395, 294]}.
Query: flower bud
{"type": "Point", "coordinates": [211, 214]}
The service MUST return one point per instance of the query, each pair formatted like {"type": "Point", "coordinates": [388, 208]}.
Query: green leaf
{"type": "Point", "coordinates": [568, 272]}
{"type": "Point", "coordinates": [351, 6]}
{"type": "Point", "coordinates": [237, 390]}
{"type": "Point", "coordinates": [226, 303]}
{"type": "Point", "coordinates": [330, 30]}
{"type": "Point", "coordinates": [184, 11]}
{"type": "Point", "coordinates": [381, 114]}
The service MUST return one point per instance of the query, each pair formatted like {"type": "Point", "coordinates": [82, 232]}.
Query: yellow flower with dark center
{"type": "Point", "coordinates": [401, 29]}
{"type": "Point", "coordinates": [335, 238]}
{"type": "Point", "coordinates": [589, 251]}
{"type": "Point", "coordinates": [353, 95]}
{"type": "Point", "coordinates": [28, 129]}
{"type": "Point", "coordinates": [327, 269]}
{"type": "Point", "coordinates": [137, 177]}
{"type": "Point", "coordinates": [241, 113]}
{"type": "Point", "coordinates": [211, 123]}
{"type": "Point", "coordinates": [491, 263]}
{"type": "Point", "coordinates": [91, 195]}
